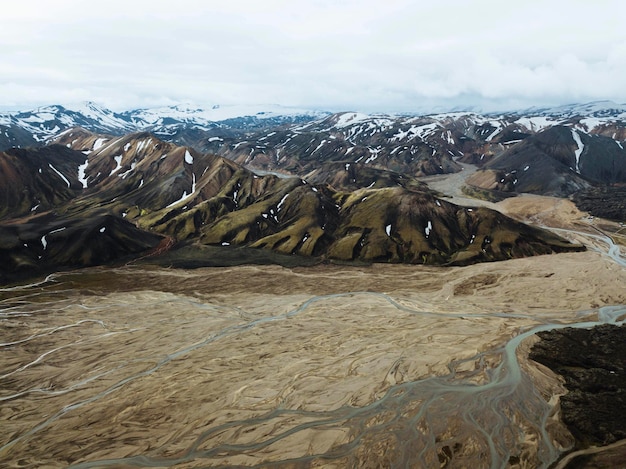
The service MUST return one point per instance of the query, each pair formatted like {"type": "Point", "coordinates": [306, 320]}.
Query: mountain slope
{"type": "Point", "coordinates": [410, 145]}
{"type": "Point", "coordinates": [125, 196]}
{"type": "Point", "coordinates": [46, 243]}
{"type": "Point", "coordinates": [39, 126]}
{"type": "Point", "coordinates": [557, 161]}
{"type": "Point", "coordinates": [38, 179]}
{"type": "Point", "coordinates": [298, 141]}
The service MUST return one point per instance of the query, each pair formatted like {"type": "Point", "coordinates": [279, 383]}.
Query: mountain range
{"type": "Point", "coordinates": [42, 125]}
{"type": "Point", "coordinates": [296, 140]}
{"type": "Point", "coordinates": [187, 186]}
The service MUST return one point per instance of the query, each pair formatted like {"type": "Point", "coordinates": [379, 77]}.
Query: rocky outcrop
{"type": "Point", "coordinates": [606, 202]}
{"type": "Point", "coordinates": [594, 368]}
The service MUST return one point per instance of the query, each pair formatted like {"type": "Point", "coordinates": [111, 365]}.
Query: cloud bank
{"type": "Point", "coordinates": [367, 55]}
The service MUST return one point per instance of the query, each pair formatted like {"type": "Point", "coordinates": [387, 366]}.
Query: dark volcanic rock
{"type": "Point", "coordinates": [593, 363]}
{"type": "Point", "coordinates": [558, 161]}
{"type": "Point", "coordinates": [48, 243]}
{"type": "Point", "coordinates": [606, 202]}
{"type": "Point", "coordinates": [38, 179]}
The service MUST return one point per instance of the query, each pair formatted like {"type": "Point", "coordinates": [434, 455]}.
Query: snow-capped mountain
{"type": "Point", "coordinates": [45, 123]}
{"type": "Point", "coordinates": [39, 126]}
{"type": "Point", "coordinates": [188, 114]}
{"type": "Point", "coordinates": [279, 138]}
{"type": "Point", "coordinates": [599, 109]}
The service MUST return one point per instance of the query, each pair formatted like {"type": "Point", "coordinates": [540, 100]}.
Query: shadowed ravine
{"type": "Point", "coordinates": [164, 368]}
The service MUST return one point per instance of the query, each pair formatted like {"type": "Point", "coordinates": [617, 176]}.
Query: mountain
{"type": "Point", "coordinates": [555, 151]}
{"type": "Point", "coordinates": [46, 123]}
{"type": "Point", "coordinates": [38, 179]}
{"type": "Point", "coordinates": [597, 109]}
{"type": "Point", "coordinates": [559, 160]}
{"type": "Point", "coordinates": [264, 115]}
{"type": "Point", "coordinates": [414, 145]}
{"type": "Point", "coordinates": [120, 198]}
{"type": "Point", "coordinates": [296, 141]}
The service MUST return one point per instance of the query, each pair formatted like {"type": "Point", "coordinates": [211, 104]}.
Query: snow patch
{"type": "Point", "coordinates": [118, 160]}
{"type": "Point", "coordinates": [98, 143]}
{"type": "Point", "coordinates": [282, 201]}
{"type": "Point", "coordinates": [185, 196]}
{"type": "Point", "coordinates": [579, 150]}
{"type": "Point", "coordinates": [126, 173]}
{"type": "Point", "coordinates": [537, 123]}
{"type": "Point", "coordinates": [188, 157]}
{"type": "Point", "coordinates": [319, 146]}
{"type": "Point", "coordinates": [498, 127]}
{"type": "Point", "coordinates": [388, 230]}
{"type": "Point", "coordinates": [44, 242]}
{"type": "Point", "coordinates": [350, 118]}
{"type": "Point", "coordinates": [590, 123]}
{"type": "Point", "coordinates": [59, 173]}
{"type": "Point", "coordinates": [142, 145]}
{"type": "Point", "coordinates": [374, 154]}
{"type": "Point", "coordinates": [428, 229]}
{"type": "Point", "coordinates": [103, 229]}
{"type": "Point", "coordinates": [82, 178]}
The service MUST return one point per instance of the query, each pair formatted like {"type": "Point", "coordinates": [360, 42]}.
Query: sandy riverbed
{"type": "Point", "coordinates": [254, 365]}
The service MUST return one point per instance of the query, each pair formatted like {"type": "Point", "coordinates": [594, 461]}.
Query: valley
{"type": "Point", "coordinates": [279, 367]}
{"type": "Point", "coordinates": [268, 366]}
{"type": "Point", "coordinates": [163, 306]}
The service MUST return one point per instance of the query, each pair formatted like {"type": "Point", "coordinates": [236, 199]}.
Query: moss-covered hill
{"type": "Point", "coordinates": [126, 197]}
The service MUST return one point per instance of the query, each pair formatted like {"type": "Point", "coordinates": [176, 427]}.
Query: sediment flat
{"type": "Point", "coordinates": [253, 365]}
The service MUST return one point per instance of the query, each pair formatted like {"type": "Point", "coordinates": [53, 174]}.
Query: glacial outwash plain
{"type": "Point", "coordinates": [327, 291]}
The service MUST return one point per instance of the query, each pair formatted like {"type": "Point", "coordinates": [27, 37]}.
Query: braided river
{"type": "Point", "coordinates": [325, 366]}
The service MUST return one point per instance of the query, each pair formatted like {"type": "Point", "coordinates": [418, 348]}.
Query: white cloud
{"type": "Point", "coordinates": [340, 54]}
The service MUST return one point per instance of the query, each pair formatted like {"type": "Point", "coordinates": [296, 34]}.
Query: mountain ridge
{"type": "Point", "coordinates": [123, 197]}
{"type": "Point", "coordinates": [44, 123]}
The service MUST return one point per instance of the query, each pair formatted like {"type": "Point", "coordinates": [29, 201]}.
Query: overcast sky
{"type": "Point", "coordinates": [368, 55]}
